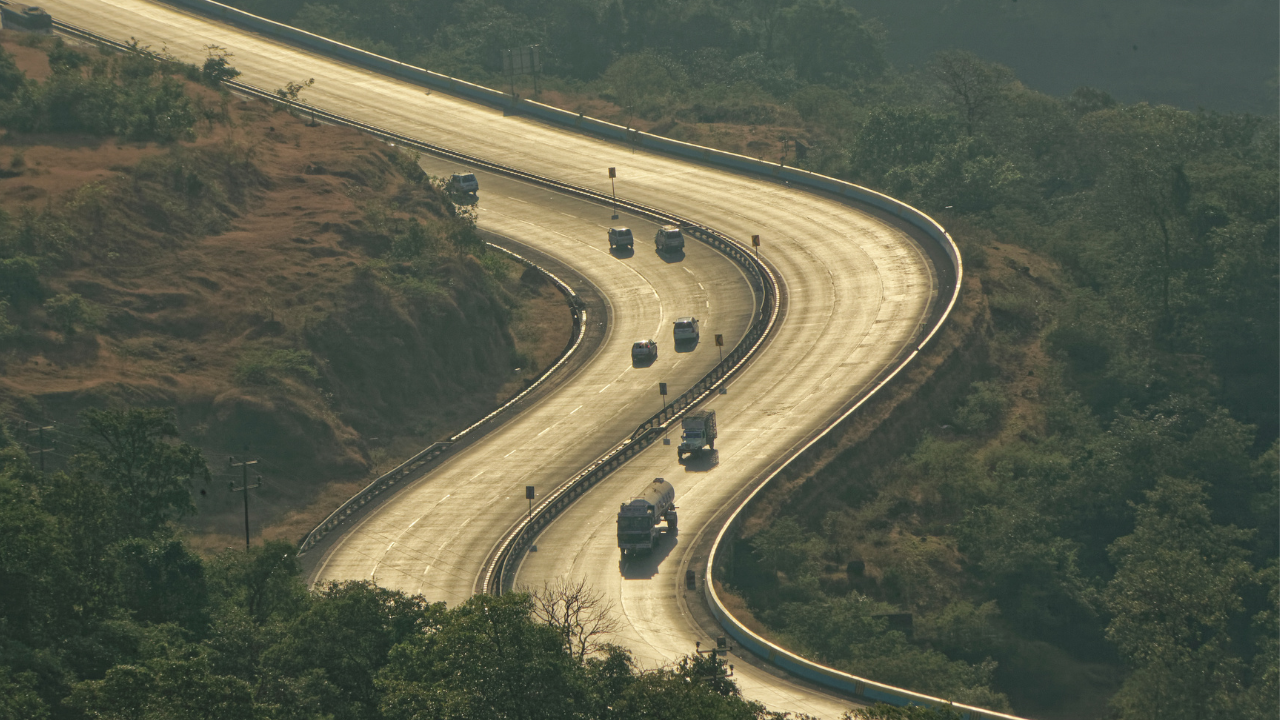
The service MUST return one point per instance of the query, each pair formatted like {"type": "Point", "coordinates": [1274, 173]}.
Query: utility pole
{"type": "Point", "coordinates": [43, 449]}
{"type": "Point", "coordinates": [245, 487]}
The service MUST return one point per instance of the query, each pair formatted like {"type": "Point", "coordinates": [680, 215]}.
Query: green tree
{"type": "Point", "coordinates": [217, 67]}
{"type": "Point", "coordinates": [362, 622]}
{"type": "Point", "coordinates": [830, 43]}
{"type": "Point", "coordinates": [161, 581]}
{"type": "Point", "coordinates": [70, 312]}
{"type": "Point", "coordinates": [785, 545]}
{"type": "Point", "coordinates": [178, 685]}
{"type": "Point", "coordinates": [489, 659]}
{"type": "Point", "coordinates": [973, 85]}
{"type": "Point", "coordinates": [639, 80]}
{"type": "Point", "coordinates": [32, 554]}
{"type": "Point", "coordinates": [12, 79]}
{"type": "Point", "coordinates": [146, 469]}
{"type": "Point", "coordinates": [1177, 586]}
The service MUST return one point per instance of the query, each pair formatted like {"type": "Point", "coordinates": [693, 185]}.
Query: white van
{"type": "Point", "coordinates": [668, 238]}
{"type": "Point", "coordinates": [620, 238]}
{"type": "Point", "coordinates": [465, 183]}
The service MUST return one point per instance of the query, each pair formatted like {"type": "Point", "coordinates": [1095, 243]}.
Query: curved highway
{"type": "Point", "coordinates": [859, 291]}
{"type": "Point", "coordinates": [431, 537]}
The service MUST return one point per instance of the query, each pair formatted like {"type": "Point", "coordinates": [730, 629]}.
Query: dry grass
{"type": "Point", "coordinates": [182, 311]}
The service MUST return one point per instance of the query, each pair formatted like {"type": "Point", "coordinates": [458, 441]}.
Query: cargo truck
{"type": "Point", "coordinates": [699, 433]}
{"type": "Point", "coordinates": [638, 519]}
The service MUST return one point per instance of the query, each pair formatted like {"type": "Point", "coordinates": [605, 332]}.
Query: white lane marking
{"type": "Point", "coordinates": [606, 387]}
{"type": "Point", "coordinates": [544, 432]}
{"type": "Point", "coordinates": [576, 409]}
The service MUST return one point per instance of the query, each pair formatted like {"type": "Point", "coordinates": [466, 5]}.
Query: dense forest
{"type": "Point", "coordinates": [1106, 494]}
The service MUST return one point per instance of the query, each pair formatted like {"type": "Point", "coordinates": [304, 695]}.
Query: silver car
{"type": "Point", "coordinates": [686, 329]}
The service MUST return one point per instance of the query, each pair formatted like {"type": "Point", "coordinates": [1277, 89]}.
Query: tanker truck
{"type": "Point", "coordinates": [699, 433]}
{"type": "Point", "coordinates": [638, 519]}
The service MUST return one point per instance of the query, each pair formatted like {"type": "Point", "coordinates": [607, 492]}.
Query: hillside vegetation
{"type": "Point", "coordinates": [1092, 530]}
{"type": "Point", "coordinates": [106, 613]}
{"type": "Point", "coordinates": [299, 294]}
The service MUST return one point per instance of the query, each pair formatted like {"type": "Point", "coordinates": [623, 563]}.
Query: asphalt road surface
{"type": "Point", "coordinates": [859, 292]}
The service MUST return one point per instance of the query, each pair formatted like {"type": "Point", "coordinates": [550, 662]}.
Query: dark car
{"type": "Point", "coordinates": [644, 350]}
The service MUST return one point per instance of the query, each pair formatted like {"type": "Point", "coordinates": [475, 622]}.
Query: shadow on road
{"type": "Point", "coordinates": [701, 462]}
{"type": "Point", "coordinates": [622, 252]}
{"type": "Point", "coordinates": [684, 346]}
{"type": "Point", "coordinates": [463, 198]}
{"type": "Point", "coordinates": [643, 567]}
{"type": "Point", "coordinates": [670, 257]}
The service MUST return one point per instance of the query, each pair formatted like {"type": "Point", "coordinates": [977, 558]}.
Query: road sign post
{"type": "Point", "coordinates": [528, 495]}
{"type": "Point", "coordinates": [720, 345]}
{"type": "Point", "coordinates": [613, 174]}
{"type": "Point", "coordinates": [755, 243]}
{"type": "Point", "coordinates": [662, 390]}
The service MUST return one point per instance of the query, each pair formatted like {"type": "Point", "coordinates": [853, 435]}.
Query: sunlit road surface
{"type": "Point", "coordinates": [859, 291]}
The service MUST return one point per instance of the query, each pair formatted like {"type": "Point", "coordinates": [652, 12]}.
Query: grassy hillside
{"type": "Point", "coordinates": [299, 294]}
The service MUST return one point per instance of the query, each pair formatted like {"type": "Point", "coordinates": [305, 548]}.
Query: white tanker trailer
{"type": "Point", "coordinates": [638, 519]}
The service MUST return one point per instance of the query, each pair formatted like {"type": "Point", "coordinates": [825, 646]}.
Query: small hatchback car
{"type": "Point", "coordinates": [644, 350]}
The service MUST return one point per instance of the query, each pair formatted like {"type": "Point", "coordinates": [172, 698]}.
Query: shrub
{"type": "Point", "coordinates": [20, 278]}
{"type": "Point", "coordinates": [982, 410]}
{"type": "Point", "coordinates": [269, 367]}
{"type": "Point", "coordinates": [68, 311]}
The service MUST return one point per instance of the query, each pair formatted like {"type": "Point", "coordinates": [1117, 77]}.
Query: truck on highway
{"type": "Point", "coordinates": [699, 433]}
{"type": "Point", "coordinates": [638, 519]}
